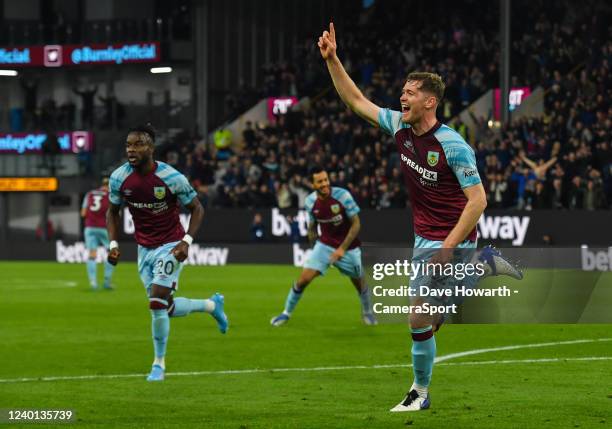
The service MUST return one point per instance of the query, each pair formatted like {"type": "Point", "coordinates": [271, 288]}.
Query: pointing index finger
{"type": "Point", "coordinates": [332, 31]}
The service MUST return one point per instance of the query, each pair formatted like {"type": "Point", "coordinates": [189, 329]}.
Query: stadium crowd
{"type": "Point", "coordinates": [379, 56]}
{"type": "Point", "coordinates": [560, 160]}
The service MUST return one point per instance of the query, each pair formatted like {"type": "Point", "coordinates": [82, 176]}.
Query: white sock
{"type": "Point", "coordinates": [161, 361]}
{"type": "Point", "coordinates": [209, 306]}
{"type": "Point", "coordinates": [422, 391]}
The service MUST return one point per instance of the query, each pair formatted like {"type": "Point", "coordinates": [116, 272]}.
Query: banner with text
{"type": "Point", "coordinates": [497, 227]}
{"type": "Point", "coordinates": [26, 143]}
{"type": "Point", "coordinates": [76, 55]}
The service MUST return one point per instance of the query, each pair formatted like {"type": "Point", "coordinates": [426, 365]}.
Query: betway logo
{"type": "Point", "coordinates": [504, 228]}
{"type": "Point", "coordinates": [281, 227]}
{"type": "Point", "coordinates": [207, 255]}
{"type": "Point", "coordinates": [76, 253]}
{"type": "Point", "coordinates": [128, 222]}
{"type": "Point", "coordinates": [596, 260]}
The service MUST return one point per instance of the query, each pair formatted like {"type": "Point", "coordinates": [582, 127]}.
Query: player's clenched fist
{"type": "Point", "coordinates": [337, 255]}
{"type": "Point", "coordinates": [327, 42]}
{"type": "Point", "coordinates": [181, 251]}
{"type": "Point", "coordinates": [113, 256]}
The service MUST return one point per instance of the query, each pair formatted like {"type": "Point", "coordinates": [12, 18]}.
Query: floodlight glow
{"type": "Point", "coordinates": [156, 70]}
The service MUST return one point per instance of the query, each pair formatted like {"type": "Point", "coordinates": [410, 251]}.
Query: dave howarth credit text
{"type": "Point", "coordinates": [426, 291]}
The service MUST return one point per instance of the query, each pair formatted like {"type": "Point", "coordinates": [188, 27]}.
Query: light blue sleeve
{"type": "Point", "coordinates": [308, 205]}
{"type": "Point", "coordinates": [114, 184]}
{"type": "Point", "coordinates": [460, 156]}
{"type": "Point", "coordinates": [84, 203]}
{"type": "Point", "coordinates": [178, 184]}
{"type": "Point", "coordinates": [347, 201]}
{"type": "Point", "coordinates": [390, 121]}
{"type": "Point", "coordinates": [462, 161]}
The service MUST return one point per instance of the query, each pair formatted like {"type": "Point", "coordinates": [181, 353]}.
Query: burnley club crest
{"type": "Point", "coordinates": [159, 192]}
{"type": "Point", "coordinates": [432, 158]}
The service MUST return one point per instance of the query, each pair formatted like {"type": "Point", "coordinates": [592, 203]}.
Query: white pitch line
{"type": "Point", "coordinates": [515, 347]}
{"type": "Point", "coordinates": [312, 369]}
{"type": "Point", "coordinates": [511, 361]}
{"type": "Point", "coordinates": [23, 284]}
{"type": "Point", "coordinates": [342, 368]}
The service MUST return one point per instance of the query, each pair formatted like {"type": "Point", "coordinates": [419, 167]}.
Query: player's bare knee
{"type": "Point", "coordinates": [160, 298]}
{"type": "Point", "coordinates": [301, 284]}
{"type": "Point", "coordinates": [303, 281]}
{"type": "Point", "coordinates": [417, 320]}
{"type": "Point", "coordinates": [306, 277]}
{"type": "Point", "coordinates": [359, 283]}
{"type": "Point", "coordinates": [158, 291]}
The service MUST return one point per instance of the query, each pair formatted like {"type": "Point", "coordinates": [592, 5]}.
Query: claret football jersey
{"type": "Point", "coordinates": [96, 205]}
{"type": "Point", "coordinates": [436, 166]}
{"type": "Point", "coordinates": [153, 200]}
{"type": "Point", "coordinates": [333, 215]}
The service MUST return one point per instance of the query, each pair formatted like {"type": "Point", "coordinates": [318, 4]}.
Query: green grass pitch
{"type": "Point", "coordinates": [52, 325]}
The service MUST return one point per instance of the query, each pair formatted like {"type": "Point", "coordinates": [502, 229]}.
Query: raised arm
{"type": "Point", "coordinates": [527, 161]}
{"type": "Point", "coordinates": [549, 163]}
{"type": "Point", "coordinates": [346, 88]}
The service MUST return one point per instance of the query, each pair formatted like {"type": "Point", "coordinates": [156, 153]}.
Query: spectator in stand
{"type": "Point", "coordinates": [283, 196]}
{"type": "Point", "coordinates": [203, 195]}
{"type": "Point", "coordinates": [294, 228]}
{"type": "Point", "coordinates": [51, 149]}
{"type": "Point", "coordinates": [113, 110]}
{"type": "Point", "coordinates": [540, 198]}
{"type": "Point", "coordinates": [87, 105]}
{"type": "Point", "coordinates": [558, 194]}
{"type": "Point", "coordinates": [576, 193]}
{"type": "Point", "coordinates": [30, 102]}
{"type": "Point", "coordinates": [248, 135]}
{"type": "Point", "coordinates": [521, 176]}
{"type": "Point", "coordinates": [258, 229]}
{"type": "Point", "coordinates": [67, 114]}
{"type": "Point", "coordinates": [532, 162]}
{"type": "Point", "coordinates": [223, 143]}
{"type": "Point", "coordinates": [539, 170]}
{"type": "Point", "coordinates": [497, 191]}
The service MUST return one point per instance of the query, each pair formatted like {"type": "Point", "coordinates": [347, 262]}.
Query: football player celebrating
{"type": "Point", "coordinates": [153, 191]}
{"type": "Point", "coordinates": [335, 210]}
{"type": "Point", "coordinates": [445, 190]}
